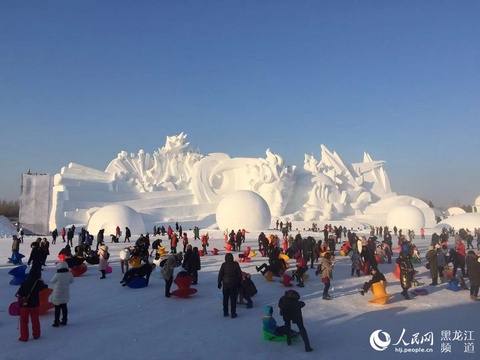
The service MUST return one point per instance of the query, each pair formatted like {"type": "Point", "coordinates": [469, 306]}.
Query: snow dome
{"type": "Point", "coordinates": [467, 221]}
{"type": "Point", "coordinates": [406, 217]}
{"type": "Point", "coordinates": [477, 201]}
{"type": "Point", "coordinates": [455, 211]}
{"type": "Point", "coordinates": [108, 217]}
{"type": "Point", "coordinates": [243, 209]}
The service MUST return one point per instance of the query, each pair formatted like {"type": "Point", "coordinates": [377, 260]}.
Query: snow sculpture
{"type": "Point", "coordinates": [111, 216]}
{"type": "Point", "coordinates": [243, 209]}
{"type": "Point", "coordinates": [455, 210]}
{"type": "Point", "coordinates": [406, 217]}
{"type": "Point", "coordinates": [468, 221]}
{"type": "Point", "coordinates": [177, 184]}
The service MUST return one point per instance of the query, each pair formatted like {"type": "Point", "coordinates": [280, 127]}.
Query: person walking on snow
{"type": "Point", "coordinates": [291, 310]}
{"type": "Point", "coordinates": [61, 292]}
{"type": "Point", "coordinates": [230, 277]}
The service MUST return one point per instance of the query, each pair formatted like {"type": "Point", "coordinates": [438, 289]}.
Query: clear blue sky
{"type": "Point", "coordinates": [82, 80]}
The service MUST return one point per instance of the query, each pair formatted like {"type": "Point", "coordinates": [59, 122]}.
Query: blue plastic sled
{"type": "Point", "coordinates": [16, 258]}
{"type": "Point", "coordinates": [18, 274]}
{"type": "Point", "coordinates": [137, 282]}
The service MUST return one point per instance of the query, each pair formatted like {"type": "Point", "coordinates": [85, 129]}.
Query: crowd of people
{"type": "Point", "coordinates": [366, 254]}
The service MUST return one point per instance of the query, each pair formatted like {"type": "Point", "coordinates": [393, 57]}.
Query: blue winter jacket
{"type": "Point", "coordinates": [269, 323]}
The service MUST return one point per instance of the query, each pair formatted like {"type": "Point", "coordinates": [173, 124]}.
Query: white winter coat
{"type": "Point", "coordinates": [61, 284]}
{"type": "Point", "coordinates": [102, 254]}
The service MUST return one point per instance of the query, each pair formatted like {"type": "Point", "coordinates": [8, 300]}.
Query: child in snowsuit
{"type": "Point", "coordinates": [247, 290]}
{"type": "Point", "coordinates": [300, 271]}
{"type": "Point", "coordinates": [270, 324]}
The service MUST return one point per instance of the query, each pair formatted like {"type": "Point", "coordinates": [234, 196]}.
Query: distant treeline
{"type": "Point", "coordinates": [9, 209]}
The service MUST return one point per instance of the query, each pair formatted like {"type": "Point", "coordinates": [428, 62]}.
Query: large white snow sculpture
{"type": "Point", "coordinates": [468, 221]}
{"type": "Point", "coordinates": [111, 216]}
{"type": "Point", "coordinates": [455, 210]}
{"type": "Point", "coordinates": [243, 209]}
{"type": "Point", "coordinates": [176, 184]}
{"type": "Point", "coordinates": [406, 217]}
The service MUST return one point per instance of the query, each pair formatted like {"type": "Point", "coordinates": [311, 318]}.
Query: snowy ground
{"type": "Point", "coordinates": [109, 321]}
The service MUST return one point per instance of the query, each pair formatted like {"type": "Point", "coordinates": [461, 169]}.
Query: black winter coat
{"type": "Point", "coordinates": [291, 307]}
{"type": "Point", "coordinates": [406, 271]}
{"type": "Point", "coordinates": [473, 267]}
{"type": "Point", "coordinates": [230, 273]}
{"type": "Point", "coordinates": [194, 262]}
{"type": "Point", "coordinates": [31, 288]}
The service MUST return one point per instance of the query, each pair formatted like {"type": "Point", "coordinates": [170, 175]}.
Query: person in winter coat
{"type": "Point", "coordinates": [194, 265]}
{"type": "Point", "coordinates": [238, 240]}
{"type": "Point", "coordinates": [100, 238]}
{"type": "Point", "coordinates": [247, 290]}
{"type": "Point", "coordinates": [325, 271]}
{"type": "Point", "coordinates": [431, 257]}
{"type": "Point", "coordinates": [204, 239]}
{"type": "Point", "coordinates": [36, 258]}
{"type": "Point", "coordinates": [270, 324]}
{"type": "Point", "coordinates": [301, 269]}
{"type": "Point", "coordinates": [473, 268]}
{"type": "Point", "coordinates": [45, 246]}
{"type": "Point", "coordinates": [169, 232]}
{"type": "Point", "coordinates": [406, 273]}
{"type": "Point", "coordinates": [291, 310]}
{"type": "Point", "coordinates": [124, 256]}
{"type": "Point", "coordinates": [128, 234]}
{"type": "Point", "coordinates": [441, 262]}
{"type": "Point", "coordinates": [54, 236]}
{"type": "Point", "coordinates": [262, 244]}
{"type": "Point", "coordinates": [356, 262]}
{"type": "Point", "coordinates": [66, 251]}
{"type": "Point", "coordinates": [63, 234]}
{"type": "Point", "coordinates": [30, 308]}
{"type": "Point", "coordinates": [173, 243]}
{"type": "Point", "coordinates": [184, 241]}
{"type": "Point", "coordinates": [458, 258]}
{"type": "Point", "coordinates": [145, 270]}
{"type": "Point", "coordinates": [70, 234]}
{"type": "Point", "coordinates": [377, 276]}
{"type": "Point", "coordinates": [103, 256]}
{"type": "Point", "coordinates": [61, 292]}
{"type": "Point", "coordinates": [15, 251]}
{"type": "Point", "coordinates": [230, 277]}
{"type": "Point", "coordinates": [171, 262]}
{"type": "Point", "coordinates": [186, 257]}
